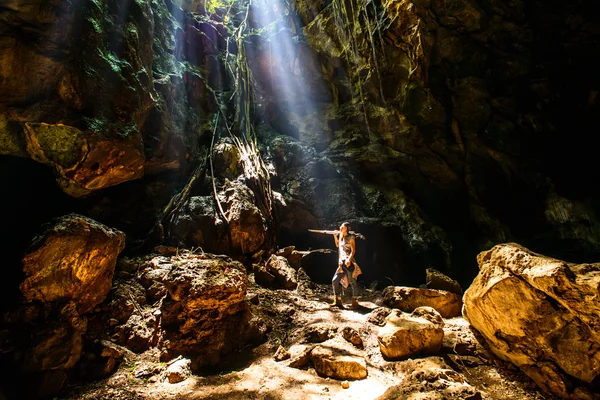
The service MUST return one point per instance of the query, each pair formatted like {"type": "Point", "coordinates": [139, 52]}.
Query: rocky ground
{"type": "Point", "coordinates": [301, 320]}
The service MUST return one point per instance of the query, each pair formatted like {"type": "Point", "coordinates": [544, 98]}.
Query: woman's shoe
{"type": "Point", "coordinates": [337, 302]}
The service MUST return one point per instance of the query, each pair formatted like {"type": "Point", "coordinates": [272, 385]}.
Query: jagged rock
{"type": "Point", "coordinates": [407, 299]}
{"type": "Point", "coordinates": [197, 224]}
{"type": "Point", "coordinates": [430, 378]}
{"type": "Point", "coordinates": [84, 164]}
{"type": "Point", "coordinates": [103, 360]}
{"type": "Point", "coordinates": [276, 273]}
{"type": "Point", "coordinates": [301, 358]}
{"type": "Point", "coordinates": [205, 308]}
{"type": "Point", "coordinates": [179, 371]}
{"type": "Point", "coordinates": [436, 280]}
{"type": "Point", "coordinates": [407, 335]}
{"type": "Point", "coordinates": [379, 315]}
{"type": "Point", "coordinates": [293, 256]}
{"type": "Point", "coordinates": [320, 332]}
{"type": "Point", "coordinates": [335, 361]}
{"type": "Point", "coordinates": [73, 260]}
{"type": "Point", "coordinates": [123, 299]}
{"type": "Point", "coordinates": [352, 336]}
{"type": "Point", "coordinates": [281, 354]}
{"type": "Point", "coordinates": [540, 313]}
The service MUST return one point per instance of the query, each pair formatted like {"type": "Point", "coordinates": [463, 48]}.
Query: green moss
{"type": "Point", "coordinates": [96, 25]}
{"type": "Point", "coordinates": [62, 145]}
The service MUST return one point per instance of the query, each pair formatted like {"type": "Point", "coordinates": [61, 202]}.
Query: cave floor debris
{"type": "Point", "coordinates": [253, 373]}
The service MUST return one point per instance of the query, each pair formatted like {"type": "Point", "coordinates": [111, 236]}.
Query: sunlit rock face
{"type": "Point", "coordinates": [540, 313]}
{"type": "Point", "coordinates": [440, 105]}
{"type": "Point", "coordinates": [69, 270]}
{"type": "Point", "coordinates": [407, 299]}
{"type": "Point", "coordinates": [205, 314]}
{"type": "Point", "coordinates": [72, 261]}
{"type": "Point", "coordinates": [408, 335]}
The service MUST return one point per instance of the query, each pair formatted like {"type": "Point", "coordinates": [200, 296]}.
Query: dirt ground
{"type": "Point", "coordinates": [253, 373]}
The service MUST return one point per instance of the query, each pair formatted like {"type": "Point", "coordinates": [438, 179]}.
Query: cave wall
{"type": "Point", "coordinates": [438, 128]}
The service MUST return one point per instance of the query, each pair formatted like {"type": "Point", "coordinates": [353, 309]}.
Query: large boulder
{"type": "Point", "coordinates": [204, 313]}
{"type": "Point", "coordinates": [73, 260]}
{"type": "Point", "coordinates": [540, 313]}
{"type": "Point", "coordinates": [408, 298]}
{"type": "Point", "coordinates": [197, 223]}
{"type": "Point", "coordinates": [407, 335]}
{"type": "Point", "coordinates": [83, 160]}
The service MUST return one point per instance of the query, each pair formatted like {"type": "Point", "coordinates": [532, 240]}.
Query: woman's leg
{"type": "Point", "coordinates": [335, 282]}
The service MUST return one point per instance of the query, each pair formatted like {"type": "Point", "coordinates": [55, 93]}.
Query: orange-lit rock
{"type": "Point", "coordinates": [407, 335]}
{"type": "Point", "coordinates": [335, 359]}
{"type": "Point", "coordinates": [408, 298]}
{"type": "Point", "coordinates": [540, 313]}
{"type": "Point", "coordinates": [74, 260]}
{"type": "Point", "coordinates": [83, 161]}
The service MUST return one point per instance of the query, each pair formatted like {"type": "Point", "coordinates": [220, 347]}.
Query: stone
{"type": "Point", "coordinates": [352, 336]}
{"type": "Point", "coordinates": [319, 332]}
{"type": "Point", "coordinates": [276, 273]}
{"type": "Point", "coordinates": [84, 163]}
{"type": "Point", "coordinates": [407, 299]}
{"type": "Point", "coordinates": [407, 335]}
{"type": "Point", "coordinates": [430, 378]}
{"type": "Point", "coordinates": [73, 260]}
{"type": "Point", "coordinates": [436, 280]}
{"type": "Point", "coordinates": [281, 354]}
{"type": "Point", "coordinates": [293, 256]}
{"type": "Point", "coordinates": [539, 313]}
{"type": "Point", "coordinates": [378, 316]}
{"type": "Point", "coordinates": [205, 309]}
{"type": "Point", "coordinates": [179, 371]}
{"type": "Point", "coordinates": [333, 363]}
{"type": "Point", "coordinates": [197, 223]}
{"type": "Point", "coordinates": [301, 358]}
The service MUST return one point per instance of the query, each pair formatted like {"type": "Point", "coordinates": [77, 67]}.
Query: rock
{"type": "Point", "coordinates": [540, 313]}
{"type": "Point", "coordinates": [281, 354]}
{"type": "Point", "coordinates": [179, 371]}
{"type": "Point", "coordinates": [319, 332]}
{"type": "Point", "coordinates": [84, 162]}
{"type": "Point", "coordinates": [345, 384]}
{"type": "Point", "coordinates": [74, 260]}
{"type": "Point", "coordinates": [407, 299]}
{"type": "Point", "coordinates": [436, 280]}
{"type": "Point", "coordinates": [352, 336]}
{"type": "Point", "coordinates": [123, 299]}
{"type": "Point", "coordinates": [197, 224]}
{"type": "Point", "coordinates": [430, 378]}
{"type": "Point", "coordinates": [293, 256]}
{"type": "Point", "coordinates": [205, 309]}
{"type": "Point", "coordinates": [407, 335]}
{"type": "Point", "coordinates": [334, 363]}
{"type": "Point", "coordinates": [301, 358]}
{"type": "Point", "coordinates": [379, 315]}
{"type": "Point", "coordinates": [276, 273]}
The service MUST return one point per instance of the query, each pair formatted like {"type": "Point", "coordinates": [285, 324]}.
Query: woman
{"type": "Point", "coordinates": [347, 270]}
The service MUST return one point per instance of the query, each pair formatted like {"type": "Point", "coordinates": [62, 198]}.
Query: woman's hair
{"type": "Point", "coordinates": [346, 224]}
